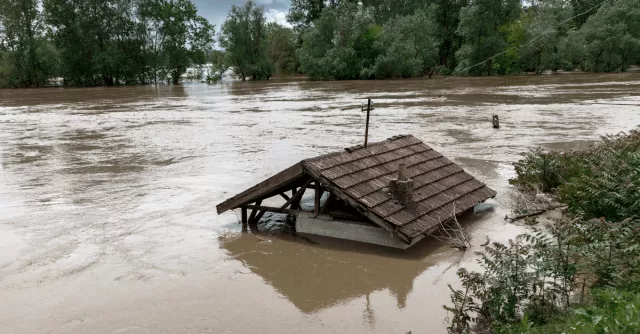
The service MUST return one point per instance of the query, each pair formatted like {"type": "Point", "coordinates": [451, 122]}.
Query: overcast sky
{"type": "Point", "coordinates": [216, 10]}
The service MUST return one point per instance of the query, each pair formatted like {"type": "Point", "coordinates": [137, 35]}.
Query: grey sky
{"type": "Point", "coordinates": [216, 10]}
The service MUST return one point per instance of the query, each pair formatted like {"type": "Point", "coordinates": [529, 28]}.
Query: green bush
{"type": "Point", "coordinates": [613, 311]}
{"type": "Point", "coordinates": [534, 283]}
{"type": "Point", "coordinates": [603, 181]}
{"type": "Point", "coordinates": [542, 275]}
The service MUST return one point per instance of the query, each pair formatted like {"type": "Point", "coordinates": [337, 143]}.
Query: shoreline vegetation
{"type": "Point", "coordinates": [577, 274]}
{"type": "Point", "coordinates": [130, 42]}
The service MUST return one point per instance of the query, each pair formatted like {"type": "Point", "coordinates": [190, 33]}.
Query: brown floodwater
{"type": "Point", "coordinates": [107, 198]}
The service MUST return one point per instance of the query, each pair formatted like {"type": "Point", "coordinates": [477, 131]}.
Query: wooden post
{"type": "Point", "coordinates": [316, 206]}
{"type": "Point", "coordinates": [252, 217]}
{"type": "Point", "coordinates": [244, 219]}
{"type": "Point", "coordinates": [366, 129]}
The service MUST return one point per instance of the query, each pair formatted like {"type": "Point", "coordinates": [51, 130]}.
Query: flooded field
{"type": "Point", "coordinates": [107, 198]}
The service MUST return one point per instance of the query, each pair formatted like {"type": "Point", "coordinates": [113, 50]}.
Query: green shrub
{"type": "Point", "coordinates": [542, 275]}
{"type": "Point", "coordinates": [534, 283]}
{"type": "Point", "coordinates": [613, 311]}
{"type": "Point", "coordinates": [603, 181]}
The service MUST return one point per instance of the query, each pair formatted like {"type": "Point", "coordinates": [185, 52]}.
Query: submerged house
{"type": "Point", "coordinates": [391, 193]}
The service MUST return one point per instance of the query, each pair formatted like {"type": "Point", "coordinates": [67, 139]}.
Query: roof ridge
{"type": "Point", "coordinates": [358, 147]}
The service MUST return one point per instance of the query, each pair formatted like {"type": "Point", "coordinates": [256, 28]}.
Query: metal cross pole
{"type": "Point", "coordinates": [366, 129]}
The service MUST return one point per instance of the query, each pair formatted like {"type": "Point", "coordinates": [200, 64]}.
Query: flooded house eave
{"type": "Point", "coordinates": [393, 193]}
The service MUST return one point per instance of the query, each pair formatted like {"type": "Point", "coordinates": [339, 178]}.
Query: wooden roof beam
{"type": "Point", "coordinates": [355, 204]}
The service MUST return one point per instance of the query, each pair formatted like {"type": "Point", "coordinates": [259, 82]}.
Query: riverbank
{"type": "Point", "coordinates": [107, 195]}
{"type": "Point", "coordinates": [580, 272]}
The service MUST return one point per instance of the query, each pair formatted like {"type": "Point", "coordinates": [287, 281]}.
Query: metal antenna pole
{"type": "Point", "coordinates": [366, 129]}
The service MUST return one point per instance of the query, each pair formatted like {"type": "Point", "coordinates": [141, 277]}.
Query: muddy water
{"type": "Point", "coordinates": [107, 198]}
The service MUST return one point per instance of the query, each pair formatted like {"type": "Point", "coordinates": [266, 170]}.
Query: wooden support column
{"type": "Point", "coordinates": [244, 219]}
{"type": "Point", "coordinates": [252, 218]}
{"type": "Point", "coordinates": [286, 198]}
{"type": "Point", "coordinates": [326, 203]}
{"type": "Point", "coordinates": [316, 204]}
{"type": "Point", "coordinates": [297, 196]}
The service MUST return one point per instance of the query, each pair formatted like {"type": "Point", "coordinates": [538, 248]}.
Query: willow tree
{"type": "Point", "coordinates": [340, 45]}
{"type": "Point", "coordinates": [176, 36]}
{"type": "Point", "coordinates": [408, 46]}
{"type": "Point", "coordinates": [244, 37]}
{"type": "Point", "coordinates": [609, 40]}
{"type": "Point", "coordinates": [481, 26]}
{"type": "Point", "coordinates": [27, 58]}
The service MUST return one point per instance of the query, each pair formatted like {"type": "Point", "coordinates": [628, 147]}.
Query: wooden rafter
{"type": "Point", "coordinates": [358, 206]}
{"type": "Point", "coordinates": [286, 198]}
{"type": "Point", "coordinates": [253, 213]}
{"type": "Point", "coordinates": [271, 209]}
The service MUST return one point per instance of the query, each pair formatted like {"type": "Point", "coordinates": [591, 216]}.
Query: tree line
{"type": "Point", "coordinates": [117, 42]}
{"type": "Point", "coordinates": [349, 39]}
{"type": "Point", "coordinates": [123, 42]}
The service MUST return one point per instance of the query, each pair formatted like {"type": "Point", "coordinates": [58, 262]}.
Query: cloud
{"type": "Point", "coordinates": [277, 16]}
{"type": "Point", "coordinates": [274, 3]}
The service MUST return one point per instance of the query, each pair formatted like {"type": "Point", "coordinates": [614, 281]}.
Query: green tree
{"type": "Point", "coordinates": [609, 40]}
{"type": "Point", "coordinates": [281, 48]}
{"type": "Point", "coordinates": [408, 46]}
{"type": "Point", "coordinates": [542, 32]}
{"type": "Point", "coordinates": [177, 36]}
{"type": "Point", "coordinates": [219, 64]}
{"type": "Point", "coordinates": [244, 37]}
{"type": "Point", "coordinates": [447, 16]}
{"type": "Point", "coordinates": [85, 34]}
{"type": "Point", "coordinates": [481, 26]}
{"type": "Point", "coordinates": [27, 58]}
{"type": "Point", "coordinates": [340, 45]}
{"type": "Point", "coordinates": [303, 12]}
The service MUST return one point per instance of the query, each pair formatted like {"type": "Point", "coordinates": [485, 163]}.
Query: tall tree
{"type": "Point", "coordinates": [481, 26]}
{"type": "Point", "coordinates": [341, 44]}
{"type": "Point", "coordinates": [408, 46]}
{"type": "Point", "coordinates": [542, 33]}
{"type": "Point", "coordinates": [447, 16]}
{"type": "Point", "coordinates": [609, 40]}
{"type": "Point", "coordinates": [303, 12]}
{"type": "Point", "coordinates": [281, 48]}
{"type": "Point", "coordinates": [177, 36]}
{"type": "Point", "coordinates": [244, 37]}
{"type": "Point", "coordinates": [27, 58]}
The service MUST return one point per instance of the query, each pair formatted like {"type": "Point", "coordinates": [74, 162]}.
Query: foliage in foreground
{"type": "Point", "coordinates": [613, 311]}
{"type": "Point", "coordinates": [541, 275]}
{"type": "Point", "coordinates": [576, 269]}
{"type": "Point", "coordinates": [603, 181]}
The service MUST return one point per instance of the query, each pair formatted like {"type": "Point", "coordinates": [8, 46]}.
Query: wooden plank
{"type": "Point", "coordinates": [244, 219]}
{"type": "Point", "coordinates": [254, 212]}
{"type": "Point", "coordinates": [316, 202]}
{"type": "Point", "coordinates": [356, 205]}
{"type": "Point", "coordinates": [295, 199]}
{"type": "Point", "coordinates": [286, 198]}
{"type": "Point", "coordinates": [262, 208]}
{"type": "Point", "coordinates": [287, 176]}
{"type": "Point", "coordinates": [258, 217]}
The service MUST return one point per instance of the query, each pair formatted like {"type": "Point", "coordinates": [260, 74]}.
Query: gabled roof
{"type": "Point", "coordinates": [360, 175]}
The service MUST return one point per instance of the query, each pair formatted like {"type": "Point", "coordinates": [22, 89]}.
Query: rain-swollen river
{"type": "Point", "coordinates": [107, 198]}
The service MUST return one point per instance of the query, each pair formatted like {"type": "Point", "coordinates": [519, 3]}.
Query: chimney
{"type": "Point", "coordinates": [401, 189]}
